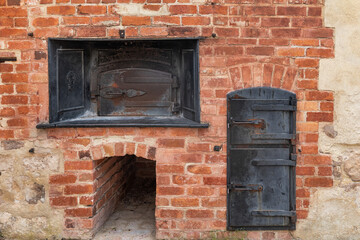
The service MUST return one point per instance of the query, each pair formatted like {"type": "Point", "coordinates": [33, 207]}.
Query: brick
{"type": "Point", "coordinates": [315, 11]}
{"type": "Point", "coordinates": [186, 180]}
{"type": "Point", "coordinates": [87, 200]}
{"type": "Point", "coordinates": [317, 160]}
{"type": "Point", "coordinates": [325, 171]}
{"type": "Point", "coordinates": [311, 73]}
{"type": "Point", "coordinates": [78, 165]}
{"type": "Point", "coordinates": [318, 182]}
{"type": "Point", "coordinates": [305, 171]}
{"type": "Point", "coordinates": [254, 33]}
{"type": "Point", "coordinates": [79, 212]}
{"type": "Point", "coordinates": [167, 20]}
{"type": "Point", "coordinates": [302, 192]}
{"type": "Point", "coordinates": [215, 180]}
{"type": "Point", "coordinates": [6, 134]}
{"type": "Point", "coordinates": [199, 213]}
{"type": "Point", "coordinates": [7, 112]}
{"type": "Point", "coordinates": [266, 51]}
{"type": "Point", "coordinates": [15, 99]}
{"type": "Point", "coordinates": [170, 190]}
{"type": "Point", "coordinates": [6, 89]}
{"type": "Point", "coordinates": [185, 202]}
{"type": "Point", "coordinates": [227, 32]}
{"type": "Point", "coordinates": [318, 33]}
{"type": "Point", "coordinates": [307, 84]}
{"type": "Point", "coordinates": [154, 31]}
{"type": "Point", "coordinates": [199, 169]}
{"type": "Point", "coordinates": [305, 42]}
{"type": "Point", "coordinates": [14, 77]}
{"type": "Point", "coordinates": [213, 9]}
{"type": "Point", "coordinates": [184, 31]}
{"type": "Point", "coordinates": [327, 106]}
{"type": "Point", "coordinates": [291, 11]}
{"type": "Point", "coordinates": [319, 95]}
{"type": "Point", "coordinates": [105, 20]}
{"type": "Point", "coordinates": [307, 22]}
{"type": "Point", "coordinates": [260, 10]}
{"type": "Point", "coordinates": [320, 117]}
{"type": "Point", "coordinates": [63, 179]}
{"type": "Point", "coordinates": [76, 20]}
{"type": "Point", "coordinates": [63, 201]}
{"type": "Point", "coordinates": [169, 169]}
{"type": "Point", "coordinates": [45, 22]}
{"type": "Point", "coordinates": [60, 10]}
{"type": "Point", "coordinates": [214, 202]}
{"type": "Point", "coordinates": [307, 62]}
{"type": "Point", "coordinates": [22, 44]}
{"type": "Point", "coordinates": [17, 122]}
{"type": "Point", "coordinates": [309, 149]}
{"type": "Point", "coordinates": [78, 189]}
{"type": "Point", "coordinates": [78, 141]}
{"type": "Point", "coordinates": [171, 143]}
{"type": "Point", "coordinates": [86, 223]}
{"type": "Point", "coordinates": [135, 21]}
{"type": "Point", "coordinates": [195, 20]}
{"type": "Point", "coordinates": [203, 147]}
{"type": "Point", "coordinates": [320, 52]}
{"type": "Point", "coordinates": [286, 32]}
{"type": "Point", "coordinates": [275, 22]}
{"type": "Point", "coordinates": [46, 32]}
{"type": "Point", "coordinates": [311, 137]}
{"type": "Point", "coordinates": [91, 10]}
{"type": "Point", "coordinates": [182, 9]}
{"type": "Point", "coordinates": [302, 214]}
{"type": "Point", "coordinates": [21, 22]}
{"type": "Point", "coordinates": [291, 52]}
{"type": "Point", "coordinates": [169, 213]}
{"type": "Point", "coordinates": [84, 132]}
{"type": "Point", "coordinates": [6, 22]}
{"type": "Point", "coordinates": [13, 32]}
{"type": "Point", "coordinates": [328, 43]}
{"type": "Point", "coordinates": [307, 126]}
{"type": "Point", "coordinates": [200, 191]}
{"type": "Point", "coordinates": [13, 2]}
{"type": "Point", "coordinates": [13, 12]}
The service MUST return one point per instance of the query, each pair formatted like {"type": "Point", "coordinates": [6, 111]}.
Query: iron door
{"type": "Point", "coordinates": [261, 159]}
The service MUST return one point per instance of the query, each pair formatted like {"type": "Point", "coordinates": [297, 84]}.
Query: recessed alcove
{"type": "Point", "coordinates": [127, 209]}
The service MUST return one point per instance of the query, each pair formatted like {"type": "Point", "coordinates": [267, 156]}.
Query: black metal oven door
{"type": "Point", "coordinates": [136, 92]}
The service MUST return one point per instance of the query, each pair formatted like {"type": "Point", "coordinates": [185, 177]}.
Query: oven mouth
{"type": "Point", "coordinates": [137, 82]}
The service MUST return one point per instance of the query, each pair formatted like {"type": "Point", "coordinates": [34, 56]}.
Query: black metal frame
{"type": "Point", "coordinates": [244, 94]}
{"type": "Point", "coordinates": [81, 49]}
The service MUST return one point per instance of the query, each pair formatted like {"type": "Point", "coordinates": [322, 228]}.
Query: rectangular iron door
{"type": "Point", "coordinates": [261, 159]}
{"type": "Point", "coordinates": [136, 92]}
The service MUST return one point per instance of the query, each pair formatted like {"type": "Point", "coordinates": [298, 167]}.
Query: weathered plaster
{"type": "Point", "coordinates": [335, 212]}
{"type": "Point", "coordinates": [25, 212]}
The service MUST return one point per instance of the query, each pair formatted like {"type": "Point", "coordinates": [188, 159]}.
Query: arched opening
{"type": "Point", "coordinates": [125, 198]}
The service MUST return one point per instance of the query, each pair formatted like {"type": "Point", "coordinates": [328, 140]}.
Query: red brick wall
{"type": "Point", "coordinates": [248, 43]}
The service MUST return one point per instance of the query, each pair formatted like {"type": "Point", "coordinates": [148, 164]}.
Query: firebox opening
{"type": "Point", "coordinates": [132, 212]}
{"type": "Point", "coordinates": [141, 83]}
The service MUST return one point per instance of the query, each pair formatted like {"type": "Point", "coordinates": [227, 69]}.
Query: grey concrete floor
{"type": "Point", "coordinates": [134, 218]}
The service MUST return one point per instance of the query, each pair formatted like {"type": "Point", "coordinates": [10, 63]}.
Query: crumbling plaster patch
{"type": "Point", "coordinates": [335, 212]}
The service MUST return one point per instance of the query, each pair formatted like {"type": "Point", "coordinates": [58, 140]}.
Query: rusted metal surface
{"type": "Point", "coordinates": [261, 159]}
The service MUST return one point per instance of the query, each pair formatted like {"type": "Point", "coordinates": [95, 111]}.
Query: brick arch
{"type": "Point", "coordinates": [86, 199]}
{"type": "Point", "coordinates": [121, 149]}
{"type": "Point", "coordinates": [264, 74]}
